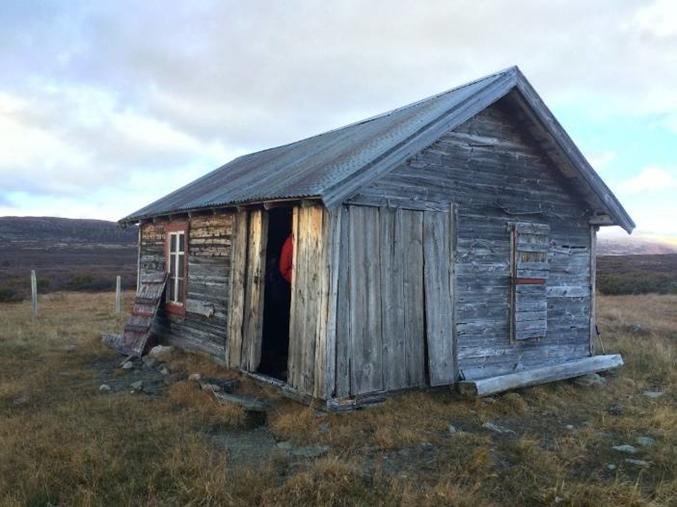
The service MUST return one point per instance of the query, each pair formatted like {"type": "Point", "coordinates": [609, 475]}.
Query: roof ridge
{"type": "Point", "coordinates": [387, 113]}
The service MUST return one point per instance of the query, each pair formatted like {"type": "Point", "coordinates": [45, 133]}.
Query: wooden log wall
{"type": "Point", "coordinates": [203, 328]}
{"type": "Point", "coordinates": [495, 173]}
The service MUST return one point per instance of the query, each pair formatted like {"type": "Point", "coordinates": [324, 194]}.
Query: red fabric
{"type": "Point", "coordinates": [286, 257]}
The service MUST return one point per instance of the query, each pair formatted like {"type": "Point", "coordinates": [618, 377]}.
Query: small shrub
{"type": "Point", "coordinates": [87, 282]}
{"type": "Point", "coordinates": [9, 296]}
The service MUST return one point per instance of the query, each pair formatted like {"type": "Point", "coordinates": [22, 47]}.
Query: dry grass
{"type": "Point", "coordinates": [62, 442]}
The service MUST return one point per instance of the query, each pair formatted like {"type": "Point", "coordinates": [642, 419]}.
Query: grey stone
{"type": "Point", "coordinates": [208, 386]}
{"type": "Point", "coordinates": [569, 427]}
{"type": "Point", "coordinates": [127, 365]}
{"type": "Point", "coordinates": [149, 362]}
{"type": "Point", "coordinates": [501, 430]}
{"type": "Point", "coordinates": [311, 451]}
{"type": "Point", "coordinates": [161, 352]}
{"type": "Point", "coordinates": [611, 466]}
{"type": "Point", "coordinates": [638, 462]}
{"type": "Point", "coordinates": [591, 380]}
{"type": "Point", "coordinates": [21, 400]}
{"type": "Point", "coordinates": [645, 441]}
{"type": "Point", "coordinates": [653, 394]}
{"type": "Point", "coordinates": [104, 388]}
{"type": "Point", "coordinates": [452, 428]}
{"type": "Point", "coordinates": [137, 386]}
{"type": "Point", "coordinates": [284, 445]}
{"type": "Point", "coordinates": [194, 377]}
{"type": "Point", "coordinates": [626, 448]}
{"type": "Point", "coordinates": [164, 370]}
{"type": "Point", "coordinates": [615, 409]}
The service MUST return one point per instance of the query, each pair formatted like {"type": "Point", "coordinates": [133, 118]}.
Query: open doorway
{"type": "Point", "coordinates": [277, 298]}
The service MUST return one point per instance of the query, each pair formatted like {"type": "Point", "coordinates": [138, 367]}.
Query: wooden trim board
{"type": "Point", "coordinates": [530, 377]}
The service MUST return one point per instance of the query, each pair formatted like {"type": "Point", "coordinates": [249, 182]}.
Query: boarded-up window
{"type": "Point", "coordinates": [529, 272]}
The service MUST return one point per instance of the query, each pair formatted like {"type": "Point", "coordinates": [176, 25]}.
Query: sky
{"type": "Point", "coordinates": [107, 106]}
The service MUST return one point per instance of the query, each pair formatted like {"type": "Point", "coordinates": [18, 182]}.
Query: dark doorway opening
{"type": "Point", "coordinates": [277, 299]}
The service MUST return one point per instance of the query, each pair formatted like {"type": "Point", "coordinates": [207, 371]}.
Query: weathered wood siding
{"type": "Point", "coordinates": [495, 174]}
{"type": "Point", "coordinates": [203, 328]}
{"type": "Point", "coordinates": [307, 360]}
{"type": "Point", "coordinates": [390, 262]}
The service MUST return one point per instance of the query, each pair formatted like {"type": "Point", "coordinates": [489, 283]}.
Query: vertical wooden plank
{"type": "Point", "coordinates": [414, 320]}
{"type": "Point", "coordinates": [238, 267]}
{"type": "Point", "coordinates": [392, 303]}
{"type": "Point", "coordinates": [593, 288]}
{"type": "Point", "coordinates": [365, 307]}
{"type": "Point", "coordinates": [333, 259]}
{"type": "Point", "coordinates": [438, 305]}
{"type": "Point", "coordinates": [314, 344]}
{"type": "Point", "coordinates": [453, 224]}
{"type": "Point", "coordinates": [294, 358]}
{"type": "Point", "coordinates": [343, 304]}
{"type": "Point", "coordinates": [255, 286]}
{"type": "Point", "coordinates": [34, 293]}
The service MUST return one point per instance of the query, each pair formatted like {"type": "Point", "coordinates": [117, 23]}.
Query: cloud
{"type": "Point", "coordinates": [650, 179]}
{"type": "Point", "coordinates": [129, 98]}
{"type": "Point", "coordinates": [600, 160]}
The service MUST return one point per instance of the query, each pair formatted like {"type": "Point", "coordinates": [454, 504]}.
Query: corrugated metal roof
{"type": "Point", "coordinates": [308, 168]}
{"type": "Point", "coordinates": [333, 165]}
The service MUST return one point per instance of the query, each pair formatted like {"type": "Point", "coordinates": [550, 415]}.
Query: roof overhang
{"type": "Point", "coordinates": [545, 127]}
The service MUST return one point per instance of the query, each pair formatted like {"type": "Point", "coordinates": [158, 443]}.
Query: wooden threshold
{"type": "Point", "coordinates": [534, 376]}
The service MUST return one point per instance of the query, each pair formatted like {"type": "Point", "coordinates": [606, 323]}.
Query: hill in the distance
{"type": "Point", "coordinates": [67, 254]}
{"type": "Point", "coordinates": [639, 243]}
{"type": "Point", "coordinates": [68, 231]}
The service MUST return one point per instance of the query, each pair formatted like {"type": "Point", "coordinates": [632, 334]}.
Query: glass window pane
{"type": "Point", "coordinates": [181, 242]}
{"type": "Point", "coordinates": [172, 242]}
{"type": "Point", "coordinates": [182, 266]}
{"type": "Point", "coordinates": [179, 296]}
{"type": "Point", "coordinates": [172, 265]}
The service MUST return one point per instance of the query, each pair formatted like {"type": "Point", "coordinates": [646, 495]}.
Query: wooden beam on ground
{"type": "Point", "coordinates": [530, 377]}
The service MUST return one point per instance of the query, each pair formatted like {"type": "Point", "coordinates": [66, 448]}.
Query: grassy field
{"type": "Point", "coordinates": [63, 442]}
{"type": "Point", "coordinates": [637, 274]}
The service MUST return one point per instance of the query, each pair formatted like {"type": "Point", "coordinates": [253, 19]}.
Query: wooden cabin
{"type": "Point", "coordinates": [448, 241]}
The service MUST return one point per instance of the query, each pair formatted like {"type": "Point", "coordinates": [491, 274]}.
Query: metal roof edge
{"type": "Point", "coordinates": [613, 206]}
{"type": "Point", "coordinates": [502, 84]}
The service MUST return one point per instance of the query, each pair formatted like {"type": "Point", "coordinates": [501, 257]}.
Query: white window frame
{"type": "Point", "coordinates": [179, 257]}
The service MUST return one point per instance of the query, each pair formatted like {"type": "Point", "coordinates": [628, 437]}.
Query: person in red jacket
{"type": "Point", "coordinates": [286, 257]}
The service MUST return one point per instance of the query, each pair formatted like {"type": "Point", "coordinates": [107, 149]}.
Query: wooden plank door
{"type": "Point", "coordinates": [438, 233]}
{"type": "Point", "coordinates": [366, 340]}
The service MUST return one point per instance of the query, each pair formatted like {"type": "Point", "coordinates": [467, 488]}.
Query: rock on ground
{"type": "Point", "coordinates": [626, 448]}
{"type": "Point", "coordinates": [638, 462]}
{"type": "Point", "coordinates": [195, 377]}
{"type": "Point", "coordinates": [127, 365]}
{"type": "Point", "coordinates": [646, 441]}
{"type": "Point", "coordinates": [501, 430]}
{"type": "Point", "coordinates": [137, 386]}
{"type": "Point", "coordinates": [653, 394]}
{"type": "Point", "coordinates": [104, 388]}
{"type": "Point", "coordinates": [161, 352]}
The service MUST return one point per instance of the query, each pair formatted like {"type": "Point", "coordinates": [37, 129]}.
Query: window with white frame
{"type": "Point", "coordinates": [177, 267]}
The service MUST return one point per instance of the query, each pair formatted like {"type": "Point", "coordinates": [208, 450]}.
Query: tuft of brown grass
{"type": "Point", "coordinates": [203, 406]}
